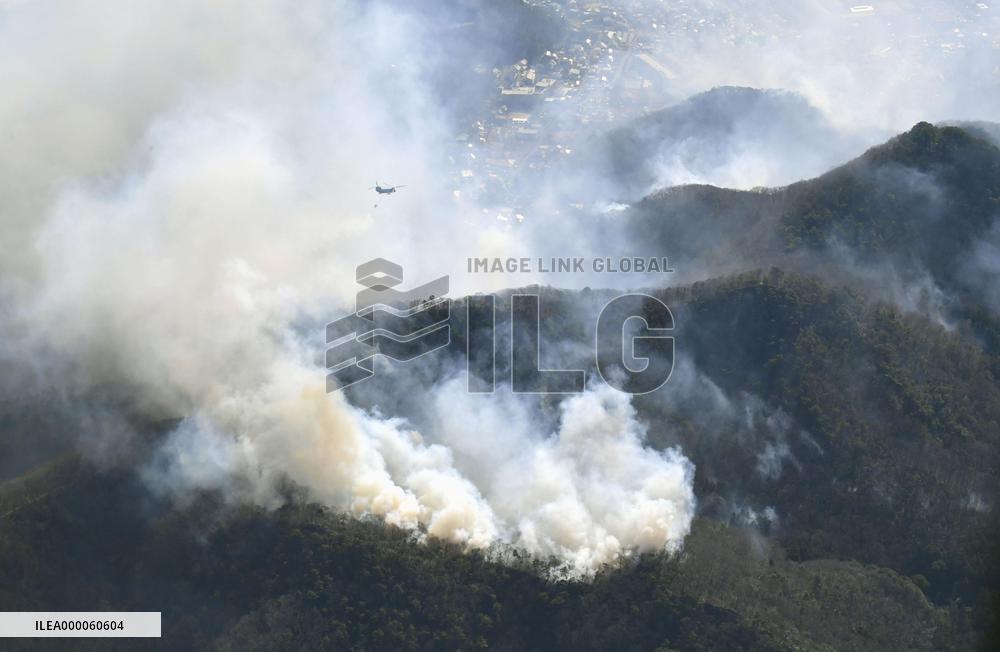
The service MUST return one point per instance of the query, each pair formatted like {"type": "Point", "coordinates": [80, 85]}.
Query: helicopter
{"type": "Point", "coordinates": [387, 190]}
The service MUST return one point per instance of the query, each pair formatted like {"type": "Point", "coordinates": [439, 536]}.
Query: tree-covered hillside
{"type": "Point", "coordinates": [845, 440]}
{"type": "Point", "coordinates": [238, 578]}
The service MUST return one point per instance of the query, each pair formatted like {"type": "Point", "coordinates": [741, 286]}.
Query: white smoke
{"type": "Point", "coordinates": [591, 492]}
{"type": "Point", "coordinates": [588, 494]}
{"type": "Point", "coordinates": [184, 266]}
{"type": "Point", "coordinates": [184, 195]}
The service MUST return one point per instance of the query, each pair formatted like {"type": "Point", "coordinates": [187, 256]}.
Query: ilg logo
{"type": "Point", "coordinates": [634, 351]}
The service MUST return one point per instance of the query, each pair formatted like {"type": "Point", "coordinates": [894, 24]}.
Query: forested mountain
{"type": "Point", "coordinates": [237, 578]}
{"type": "Point", "coordinates": [911, 222]}
{"type": "Point", "coordinates": [844, 440]}
{"type": "Point", "coordinates": [725, 136]}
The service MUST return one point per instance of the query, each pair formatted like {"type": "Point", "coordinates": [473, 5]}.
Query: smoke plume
{"type": "Point", "coordinates": [184, 190]}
